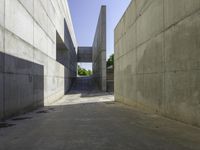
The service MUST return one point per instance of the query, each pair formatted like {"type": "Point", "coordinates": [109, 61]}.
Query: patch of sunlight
{"type": "Point", "coordinates": [74, 99]}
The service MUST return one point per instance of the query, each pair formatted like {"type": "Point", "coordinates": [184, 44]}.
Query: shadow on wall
{"type": "Point", "coordinates": [21, 85]}
{"type": "Point", "coordinates": [66, 55]}
{"type": "Point", "coordinates": [86, 86]}
{"type": "Point", "coordinates": [71, 71]}
{"type": "Point", "coordinates": [62, 56]}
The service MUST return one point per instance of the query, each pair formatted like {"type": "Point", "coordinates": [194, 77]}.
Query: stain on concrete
{"type": "Point", "coordinates": [21, 118]}
{"type": "Point", "coordinates": [5, 125]}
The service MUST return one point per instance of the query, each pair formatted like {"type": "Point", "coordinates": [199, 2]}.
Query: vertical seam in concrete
{"type": "Point", "coordinates": [36, 21]}
{"type": "Point", "coordinates": [33, 74]}
{"type": "Point", "coordinates": [4, 113]}
{"type": "Point", "coordinates": [136, 48]}
{"type": "Point", "coordinates": [163, 55]}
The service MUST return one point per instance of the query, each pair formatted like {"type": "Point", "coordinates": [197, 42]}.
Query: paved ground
{"type": "Point", "coordinates": [92, 121]}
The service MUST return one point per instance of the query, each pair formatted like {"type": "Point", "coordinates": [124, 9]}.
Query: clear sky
{"type": "Point", "coordinates": [85, 15]}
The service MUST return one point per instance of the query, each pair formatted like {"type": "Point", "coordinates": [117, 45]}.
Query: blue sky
{"type": "Point", "coordinates": [85, 15]}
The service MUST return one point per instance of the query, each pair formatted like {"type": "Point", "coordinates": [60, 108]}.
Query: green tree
{"type": "Point", "coordinates": [84, 72]}
{"type": "Point", "coordinates": [110, 61]}
{"type": "Point", "coordinates": [89, 72]}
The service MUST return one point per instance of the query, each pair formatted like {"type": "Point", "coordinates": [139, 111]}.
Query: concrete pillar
{"type": "Point", "coordinates": [99, 51]}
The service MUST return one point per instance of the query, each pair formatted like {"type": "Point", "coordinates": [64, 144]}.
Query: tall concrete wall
{"type": "Point", "coordinates": [29, 73]}
{"type": "Point", "coordinates": [157, 51]}
{"type": "Point", "coordinates": [99, 51]}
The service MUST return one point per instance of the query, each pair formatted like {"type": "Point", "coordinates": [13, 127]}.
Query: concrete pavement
{"type": "Point", "coordinates": [92, 121]}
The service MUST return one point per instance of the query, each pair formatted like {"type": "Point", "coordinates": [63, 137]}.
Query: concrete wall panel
{"type": "Point", "coordinates": [51, 11]}
{"type": "Point", "coordinates": [29, 5]}
{"type": "Point", "coordinates": [55, 69]}
{"type": "Point", "coordinates": [150, 22]}
{"type": "Point", "coordinates": [40, 58]}
{"type": "Point", "coordinates": [2, 14]}
{"type": "Point", "coordinates": [153, 91]}
{"type": "Point", "coordinates": [11, 94]}
{"type": "Point", "coordinates": [40, 38]}
{"type": "Point", "coordinates": [1, 40]}
{"type": "Point", "coordinates": [182, 49]}
{"type": "Point", "coordinates": [16, 47]}
{"type": "Point", "coordinates": [1, 58]}
{"type": "Point", "coordinates": [51, 46]}
{"type": "Point", "coordinates": [40, 14]}
{"type": "Point", "coordinates": [53, 87]}
{"type": "Point", "coordinates": [131, 16]}
{"type": "Point", "coordinates": [1, 95]}
{"type": "Point", "coordinates": [38, 89]}
{"type": "Point", "coordinates": [15, 65]}
{"type": "Point", "coordinates": [131, 37]}
{"type": "Point", "coordinates": [176, 10]}
{"type": "Point", "coordinates": [51, 30]}
{"type": "Point", "coordinates": [182, 96]}
{"type": "Point", "coordinates": [44, 4]}
{"type": "Point", "coordinates": [15, 95]}
{"type": "Point", "coordinates": [18, 20]}
{"type": "Point", "coordinates": [140, 62]}
{"type": "Point", "coordinates": [153, 57]}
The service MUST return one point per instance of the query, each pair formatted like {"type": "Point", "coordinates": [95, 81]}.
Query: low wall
{"type": "Point", "coordinates": [110, 79]}
{"type": "Point", "coordinates": [157, 55]}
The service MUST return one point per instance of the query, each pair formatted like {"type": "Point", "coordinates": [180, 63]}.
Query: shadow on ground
{"type": "Point", "coordinates": [97, 126]}
{"type": "Point", "coordinates": [78, 122]}
{"type": "Point", "coordinates": [87, 87]}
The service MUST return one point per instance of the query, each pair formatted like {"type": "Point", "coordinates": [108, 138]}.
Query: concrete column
{"type": "Point", "coordinates": [99, 51]}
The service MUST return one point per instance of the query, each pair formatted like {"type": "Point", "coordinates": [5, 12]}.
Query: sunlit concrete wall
{"type": "Point", "coordinates": [99, 51]}
{"type": "Point", "coordinates": [29, 73]}
{"type": "Point", "coordinates": [157, 51]}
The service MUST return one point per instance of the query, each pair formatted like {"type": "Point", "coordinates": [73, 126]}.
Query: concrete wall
{"type": "Point", "coordinates": [110, 79]}
{"type": "Point", "coordinates": [29, 73]}
{"type": "Point", "coordinates": [157, 51]}
{"type": "Point", "coordinates": [99, 51]}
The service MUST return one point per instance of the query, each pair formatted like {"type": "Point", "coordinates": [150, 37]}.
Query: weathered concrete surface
{"type": "Point", "coordinates": [99, 51]}
{"type": "Point", "coordinates": [29, 73]}
{"type": "Point", "coordinates": [1, 95]}
{"type": "Point", "coordinates": [157, 58]}
{"type": "Point", "coordinates": [94, 121]}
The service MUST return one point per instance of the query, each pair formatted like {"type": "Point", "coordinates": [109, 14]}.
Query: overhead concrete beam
{"type": "Point", "coordinates": [84, 54]}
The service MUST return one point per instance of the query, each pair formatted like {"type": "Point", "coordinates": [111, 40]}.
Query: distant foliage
{"type": "Point", "coordinates": [110, 61]}
{"type": "Point", "coordinates": [84, 72]}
